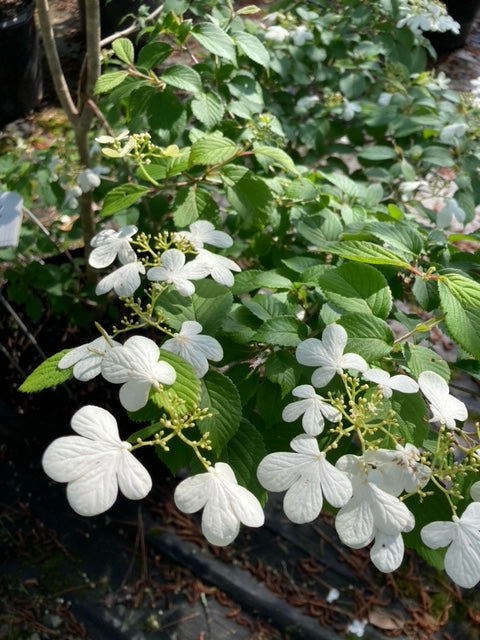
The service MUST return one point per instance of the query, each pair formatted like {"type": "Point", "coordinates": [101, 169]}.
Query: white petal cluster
{"type": "Point", "coordinates": [401, 468]}
{"type": "Point", "coordinates": [372, 514]}
{"type": "Point", "coordinates": [218, 267]}
{"type": "Point", "coordinates": [462, 537]}
{"type": "Point", "coordinates": [445, 408]}
{"type": "Point", "coordinates": [427, 15]}
{"type": "Point", "coordinates": [124, 281]}
{"type": "Point", "coordinates": [225, 503]}
{"type": "Point", "coordinates": [177, 272]}
{"type": "Point", "coordinates": [95, 463]}
{"type": "Point", "coordinates": [314, 409]}
{"type": "Point", "coordinates": [135, 365]}
{"type": "Point", "coordinates": [193, 347]}
{"type": "Point", "coordinates": [327, 354]}
{"type": "Point", "coordinates": [276, 33]}
{"type": "Point", "coordinates": [307, 477]}
{"type": "Point", "coordinates": [108, 244]}
{"type": "Point", "coordinates": [203, 232]}
{"type": "Point", "coordinates": [387, 384]}
{"type": "Point", "coordinates": [86, 360]}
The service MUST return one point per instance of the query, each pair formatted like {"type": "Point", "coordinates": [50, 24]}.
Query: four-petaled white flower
{"type": "Point", "coordinates": [445, 408]}
{"type": "Point", "coordinates": [87, 359]}
{"type": "Point", "coordinates": [95, 463]}
{"type": "Point", "coordinates": [124, 281]}
{"type": "Point", "coordinates": [196, 349]}
{"type": "Point", "coordinates": [276, 33]}
{"type": "Point", "coordinates": [136, 366]}
{"type": "Point", "coordinates": [314, 409]}
{"type": "Point", "coordinates": [400, 467]}
{"type": "Point", "coordinates": [174, 271]}
{"type": "Point", "coordinates": [218, 267]}
{"type": "Point", "coordinates": [387, 384]}
{"type": "Point", "coordinates": [203, 232]}
{"type": "Point", "coordinates": [372, 514]}
{"type": "Point", "coordinates": [225, 503]}
{"type": "Point", "coordinates": [462, 536]}
{"type": "Point", "coordinates": [307, 477]}
{"type": "Point", "coordinates": [327, 354]}
{"type": "Point", "coordinates": [88, 180]}
{"type": "Point", "coordinates": [108, 244]}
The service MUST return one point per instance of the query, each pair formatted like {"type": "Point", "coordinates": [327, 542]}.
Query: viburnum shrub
{"type": "Point", "coordinates": [286, 263]}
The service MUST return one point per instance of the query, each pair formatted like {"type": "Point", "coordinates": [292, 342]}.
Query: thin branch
{"type": "Point", "coordinates": [132, 29]}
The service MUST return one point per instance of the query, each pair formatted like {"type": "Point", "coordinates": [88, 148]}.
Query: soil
{"type": "Point", "coordinates": [143, 571]}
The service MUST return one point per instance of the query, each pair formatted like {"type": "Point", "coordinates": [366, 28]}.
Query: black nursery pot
{"type": "Point", "coordinates": [20, 61]}
{"type": "Point", "coordinates": [464, 12]}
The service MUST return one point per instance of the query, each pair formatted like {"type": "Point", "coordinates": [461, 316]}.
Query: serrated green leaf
{"type": "Point", "coordinates": [278, 156]}
{"type": "Point", "coordinates": [282, 368]}
{"type": "Point", "coordinates": [284, 331]}
{"type": "Point", "coordinates": [191, 204]}
{"type": "Point", "coordinates": [463, 322]}
{"type": "Point", "coordinates": [421, 359]}
{"type": "Point", "coordinates": [221, 397]}
{"type": "Point", "coordinates": [47, 375]}
{"type": "Point", "coordinates": [249, 195]}
{"type": "Point", "coordinates": [398, 236]}
{"type": "Point", "coordinates": [208, 108]}
{"type": "Point", "coordinates": [466, 290]}
{"type": "Point", "coordinates": [124, 50]}
{"type": "Point", "coordinates": [346, 185]}
{"type": "Point", "coordinates": [377, 153]}
{"type": "Point", "coordinates": [252, 47]}
{"type": "Point", "coordinates": [252, 279]}
{"type": "Point", "coordinates": [366, 252]}
{"type": "Point", "coordinates": [109, 81]}
{"type": "Point", "coordinates": [182, 77]}
{"type": "Point", "coordinates": [212, 149]}
{"type": "Point", "coordinates": [265, 306]}
{"type": "Point", "coordinates": [412, 420]}
{"type": "Point", "coordinates": [185, 390]}
{"type": "Point", "coordinates": [215, 40]}
{"type": "Point", "coordinates": [122, 197]}
{"type": "Point", "coordinates": [357, 288]}
{"type": "Point", "coordinates": [368, 336]}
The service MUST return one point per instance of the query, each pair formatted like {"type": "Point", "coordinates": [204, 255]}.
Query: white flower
{"type": "Point", "coordinates": [218, 267]}
{"type": "Point", "coordinates": [194, 348]}
{"type": "Point", "coordinates": [327, 354]}
{"type": "Point", "coordinates": [71, 197]}
{"type": "Point", "coordinates": [475, 491]}
{"type": "Point", "coordinates": [462, 559]}
{"type": "Point", "coordinates": [174, 271]}
{"type": "Point", "coordinates": [108, 244]}
{"type": "Point", "coordinates": [350, 109]}
{"type": "Point", "coordinates": [306, 476]}
{"type": "Point", "coordinates": [88, 180]}
{"type": "Point", "coordinates": [225, 503]}
{"type": "Point", "coordinates": [332, 595]}
{"type": "Point", "coordinates": [135, 365]}
{"type": "Point", "coordinates": [357, 627]}
{"type": "Point", "coordinates": [124, 281]}
{"type": "Point", "coordinates": [203, 232]}
{"type": "Point", "coordinates": [400, 467]}
{"type": "Point", "coordinates": [372, 514]}
{"type": "Point", "coordinates": [87, 359]}
{"type": "Point", "coordinates": [314, 409]}
{"type": "Point", "coordinates": [300, 35]}
{"type": "Point", "coordinates": [276, 34]}
{"type": "Point", "coordinates": [95, 463]}
{"type": "Point", "coordinates": [387, 384]}
{"type": "Point", "coordinates": [445, 408]}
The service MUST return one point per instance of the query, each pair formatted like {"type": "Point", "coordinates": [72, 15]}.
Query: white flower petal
{"type": "Point", "coordinates": [134, 481]}
{"type": "Point", "coordinates": [134, 394]}
{"type": "Point", "coordinates": [303, 500]}
{"type": "Point", "coordinates": [353, 361]}
{"type": "Point", "coordinates": [387, 552]}
{"type": "Point", "coordinates": [95, 423]}
{"type": "Point", "coordinates": [192, 494]}
{"type": "Point", "coordinates": [94, 492]}
{"type": "Point", "coordinates": [124, 280]}
{"type": "Point", "coordinates": [69, 457]}
{"type": "Point", "coordinates": [445, 408]}
{"type": "Point", "coordinates": [475, 491]}
{"type": "Point", "coordinates": [438, 534]}
{"type": "Point", "coordinates": [404, 384]}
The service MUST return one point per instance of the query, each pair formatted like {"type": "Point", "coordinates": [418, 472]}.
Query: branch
{"type": "Point", "coordinates": [134, 27]}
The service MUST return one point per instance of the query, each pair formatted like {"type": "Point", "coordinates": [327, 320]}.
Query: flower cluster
{"type": "Point", "coordinates": [426, 15]}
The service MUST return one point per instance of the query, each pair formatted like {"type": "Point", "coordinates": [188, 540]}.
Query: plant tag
{"type": "Point", "coordinates": [11, 205]}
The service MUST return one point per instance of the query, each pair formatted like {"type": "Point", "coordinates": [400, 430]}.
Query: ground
{"type": "Point", "coordinates": [143, 570]}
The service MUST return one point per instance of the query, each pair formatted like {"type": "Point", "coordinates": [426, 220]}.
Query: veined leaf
{"type": "Point", "coordinates": [124, 50]}
{"type": "Point", "coordinates": [368, 336]}
{"type": "Point", "coordinates": [182, 77]}
{"type": "Point", "coordinates": [252, 47]}
{"type": "Point", "coordinates": [421, 359]}
{"type": "Point", "coordinates": [220, 395]}
{"type": "Point", "coordinates": [282, 368]}
{"type": "Point", "coordinates": [121, 198]}
{"type": "Point", "coordinates": [191, 204]}
{"type": "Point", "coordinates": [47, 375]}
{"type": "Point", "coordinates": [278, 156]}
{"type": "Point", "coordinates": [255, 279]}
{"type": "Point", "coordinates": [215, 40]}
{"type": "Point", "coordinates": [212, 149]}
{"type": "Point", "coordinates": [465, 290]}
{"type": "Point", "coordinates": [367, 252]}
{"type": "Point", "coordinates": [285, 331]}
{"type": "Point", "coordinates": [463, 322]}
{"type": "Point", "coordinates": [185, 389]}
{"type": "Point", "coordinates": [208, 108]}
{"type": "Point", "coordinates": [109, 81]}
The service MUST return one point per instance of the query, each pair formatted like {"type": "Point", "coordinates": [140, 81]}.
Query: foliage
{"type": "Point", "coordinates": [336, 162]}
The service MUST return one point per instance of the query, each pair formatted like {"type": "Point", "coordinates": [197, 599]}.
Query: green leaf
{"type": "Point", "coordinates": [278, 156]}
{"type": "Point", "coordinates": [248, 194]}
{"type": "Point", "coordinates": [285, 331]}
{"type": "Point", "coordinates": [357, 288]}
{"type": "Point", "coordinates": [368, 336]}
{"type": "Point", "coordinates": [252, 47]}
{"type": "Point", "coordinates": [153, 54]}
{"type": "Point", "coordinates": [412, 420]}
{"type": "Point", "coordinates": [265, 306]}
{"type": "Point", "coordinates": [182, 77]}
{"type": "Point", "coordinates": [367, 252]}
{"type": "Point", "coordinates": [124, 50]}
{"type": "Point", "coordinates": [47, 375]}
{"type": "Point", "coordinates": [212, 149]}
{"type": "Point", "coordinates": [466, 290]}
{"type": "Point", "coordinates": [122, 197]}
{"type": "Point", "coordinates": [319, 229]}
{"type": "Point", "coordinates": [377, 153]}
{"type": "Point", "coordinates": [463, 322]}
{"type": "Point", "coordinates": [426, 293]}
{"type": "Point", "coordinates": [421, 359]}
{"type": "Point", "coordinates": [252, 279]}
{"type": "Point", "coordinates": [398, 236]}
{"type": "Point", "coordinates": [215, 40]}
{"type": "Point", "coordinates": [192, 204]}
{"type": "Point", "coordinates": [282, 368]}
{"type": "Point", "coordinates": [243, 453]}
{"type": "Point", "coordinates": [221, 397]}
{"type": "Point", "coordinates": [109, 81]}
{"type": "Point", "coordinates": [208, 108]}
{"type": "Point", "coordinates": [185, 389]}
{"type": "Point", "coordinates": [346, 185]}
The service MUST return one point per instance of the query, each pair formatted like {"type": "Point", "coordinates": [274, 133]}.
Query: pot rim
{"type": "Point", "coordinates": [24, 15]}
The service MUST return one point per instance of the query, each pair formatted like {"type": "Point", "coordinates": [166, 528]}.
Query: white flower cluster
{"type": "Point", "coordinates": [299, 36]}
{"type": "Point", "coordinates": [426, 15]}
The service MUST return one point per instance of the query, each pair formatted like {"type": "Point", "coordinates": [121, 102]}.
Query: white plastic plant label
{"type": "Point", "coordinates": [11, 205]}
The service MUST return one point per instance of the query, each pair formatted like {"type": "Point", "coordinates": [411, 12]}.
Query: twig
{"type": "Point", "coordinates": [128, 30]}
